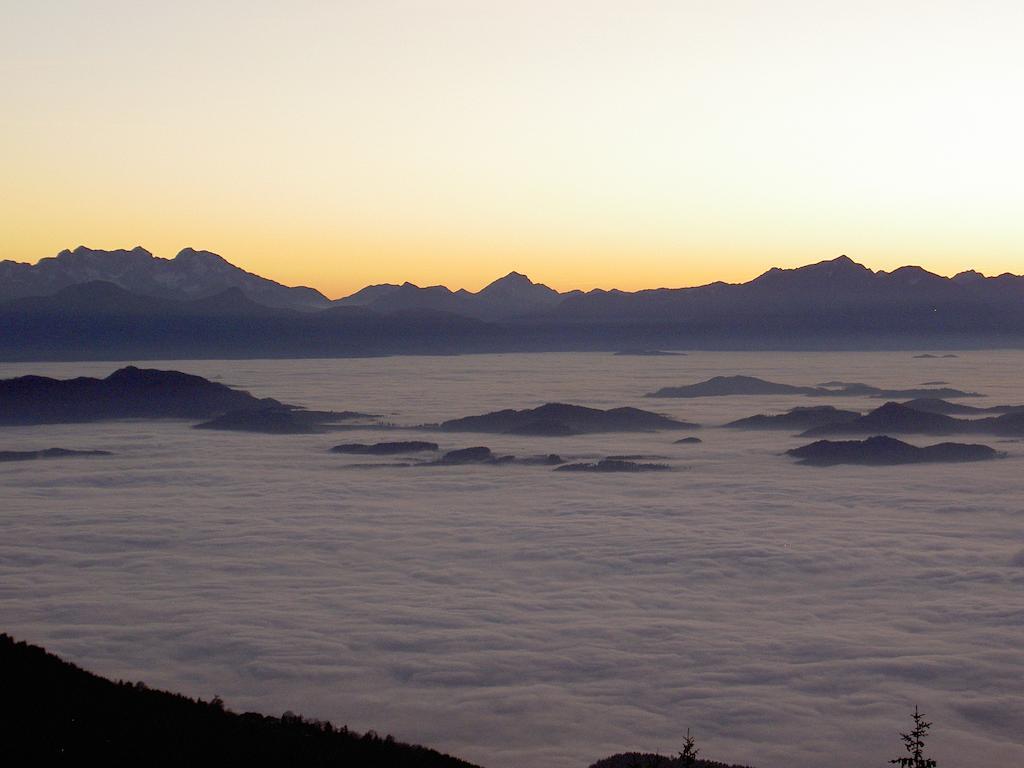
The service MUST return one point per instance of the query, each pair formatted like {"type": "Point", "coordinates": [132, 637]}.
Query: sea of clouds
{"type": "Point", "coordinates": [512, 615]}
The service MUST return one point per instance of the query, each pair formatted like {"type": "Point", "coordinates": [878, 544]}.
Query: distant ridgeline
{"type": "Point", "coordinates": [55, 713]}
{"type": "Point", "coordinates": [93, 304]}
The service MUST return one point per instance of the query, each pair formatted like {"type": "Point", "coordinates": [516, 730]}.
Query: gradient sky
{"type": "Point", "coordinates": [586, 143]}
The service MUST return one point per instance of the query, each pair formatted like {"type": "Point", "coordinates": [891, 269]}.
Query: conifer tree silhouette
{"type": "Point", "coordinates": [913, 742]}
{"type": "Point", "coordinates": [688, 757]}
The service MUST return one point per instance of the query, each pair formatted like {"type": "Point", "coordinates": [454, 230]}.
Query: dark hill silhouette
{"type": "Point", "coordinates": [613, 465]}
{"type": "Point", "coordinates": [48, 453]}
{"type": "Point", "coordinates": [901, 419]}
{"type": "Point", "coordinates": [385, 449]}
{"type": "Point", "coordinates": [55, 713]}
{"type": "Point", "coordinates": [882, 450]}
{"type": "Point", "coordinates": [650, 760]}
{"type": "Point", "coordinates": [475, 455]}
{"type": "Point", "coordinates": [893, 417]}
{"type": "Point", "coordinates": [851, 297]}
{"type": "Point", "coordinates": [1007, 425]}
{"type": "Point", "coordinates": [126, 393]}
{"type": "Point", "coordinates": [720, 386]}
{"type": "Point", "coordinates": [511, 296]}
{"type": "Point", "coordinates": [103, 321]}
{"type": "Point", "coordinates": [797, 418]}
{"type": "Point", "coordinates": [106, 299]}
{"type": "Point", "coordinates": [937, 405]}
{"type": "Point", "coordinates": [557, 419]}
{"type": "Point", "coordinates": [857, 389]}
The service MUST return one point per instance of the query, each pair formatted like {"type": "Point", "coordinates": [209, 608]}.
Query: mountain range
{"type": "Point", "coordinates": [128, 303]}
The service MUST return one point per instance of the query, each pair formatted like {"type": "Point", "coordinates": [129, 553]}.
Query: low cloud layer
{"type": "Point", "coordinates": [513, 615]}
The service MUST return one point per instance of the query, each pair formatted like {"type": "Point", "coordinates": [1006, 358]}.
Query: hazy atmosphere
{"type": "Point", "coordinates": [516, 616]}
{"type": "Point", "coordinates": [587, 144]}
{"type": "Point", "coordinates": [464, 384]}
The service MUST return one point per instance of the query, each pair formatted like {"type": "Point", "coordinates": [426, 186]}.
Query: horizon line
{"type": "Point", "coordinates": [513, 271]}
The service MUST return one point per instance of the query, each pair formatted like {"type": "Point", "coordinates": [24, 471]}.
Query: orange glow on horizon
{"type": "Point", "coordinates": [583, 144]}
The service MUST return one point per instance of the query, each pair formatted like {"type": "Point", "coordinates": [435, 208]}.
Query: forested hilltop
{"type": "Point", "coordinates": [54, 712]}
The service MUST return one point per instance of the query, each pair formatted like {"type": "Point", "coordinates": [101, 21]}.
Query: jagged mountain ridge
{"type": "Point", "coordinates": [190, 275]}
{"type": "Point", "coordinates": [511, 296]}
{"type": "Point", "coordinates": [835, 304]}
{"type": "Point", "coordinates": [835, 286]}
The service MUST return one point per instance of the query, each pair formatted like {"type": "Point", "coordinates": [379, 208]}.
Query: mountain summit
{"type": "Point", "coordinates": [191, 274]}
{"type": "Point", "coordinates": [129, 304]}
{"type": "Point", "coordinates": [511, 296]}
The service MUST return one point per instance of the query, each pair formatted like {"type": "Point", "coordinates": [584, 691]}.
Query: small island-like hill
{"type": "Point", "coordinates": [885, 451]}
{"type": "Point", "coordinates": [560, 419]}
{"type": "Point", "coordinates": [613, 464]}
{"type": "Point", "coordinates": [722, 386]}
{"type": "Point", "coordinates": [798, 418]}
{"type": "Point", "coordinates": [126, 393]}
{"type": "Point", "coordinates": [49, 453]}
{"type": "Point", "coordinates": [893, 417]}
{"type": "Point", "coordinates": [385, 449]}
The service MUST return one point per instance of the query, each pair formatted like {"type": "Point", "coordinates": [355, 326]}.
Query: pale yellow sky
{"type": "Point", "coordinates": [587, 144]}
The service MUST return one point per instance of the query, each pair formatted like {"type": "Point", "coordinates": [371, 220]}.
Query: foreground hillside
{"type": "Point", "coordinates": [54, 711]}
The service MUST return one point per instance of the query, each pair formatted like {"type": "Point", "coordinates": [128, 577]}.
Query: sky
{"type": "Point", "coordinates": [584, 143]}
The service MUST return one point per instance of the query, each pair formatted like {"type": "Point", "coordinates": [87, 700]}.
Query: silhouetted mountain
{"type": "Point", "coordinates": [55, 713]}
{"type": "Point", "coordinates": [367, 295]}
{"type": "Point", "coordinates": [514, 295]}
{"type": "Point", "coordinates": [881, 450]}
{"type": "Point", "coordinates": [1007, 425]}
{"type": "Point", "coordinates": [720, 386]}
{"type": "Point", "coordinates": [893, 417]}
{"type": "Point", "coordinates": [48, 453]}
{"type": "Point", "coordinates": [104, 299]}
{"type": "Point", "coordinates": [649, 760]}
{"type": "Point", "coordinates": [844, 298]}
{"type": "Point", "coordinates": [902, 419]}
{"type": "Point", "coordinates": [385, 449]}
{"type": "Point", "coordinates": [102, 321]}
{"type": "Point", "coordinates": [797, 418]}
{"type": "Point", "coordinates": [835, 304]}
{"type": "Point", "coordinates": [936, 405]}
{"type": "Point", "coordinates": [856, 389]}
{"type": "Point", "coordinates": [550, 460]}
{"type": "Point", "coordinates": [688, 441]}
{"type": "Point", "coordinates": [190, 275]}
{"type": "Point", "coordinates": [126, 393]}
{"type": "Point", "coordinates": [475, 455]}
{"type": "Point", "coordinates": [613, 465]}
{"type": "Point", "coordinates": [558, 419]}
